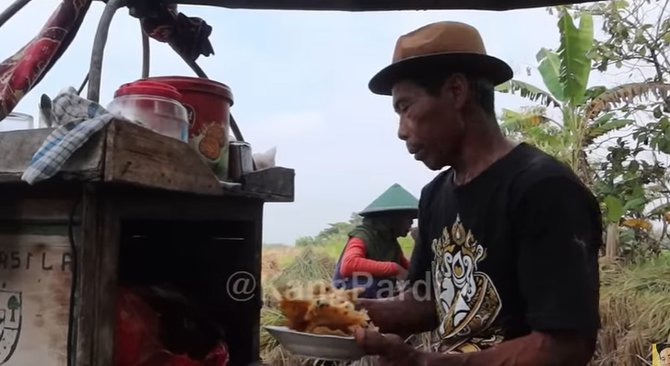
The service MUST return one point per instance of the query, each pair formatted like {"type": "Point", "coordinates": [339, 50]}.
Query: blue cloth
{"type": "Point", "coordinates": [77, 119]}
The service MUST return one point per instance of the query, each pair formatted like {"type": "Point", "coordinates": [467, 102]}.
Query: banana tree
{"type": "Point", "coordinates": [565, 74]}
{"type": "Point", "coordinates": [584, 113]}
{"type": "Point", "coordinates": [532, 125]}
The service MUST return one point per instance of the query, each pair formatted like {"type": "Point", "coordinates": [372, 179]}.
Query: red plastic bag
{"type": "Point", "coordinates": [218, 356]}
{"type": "Point", "coordinates": [138, 343]}
{"type": "Point", "coordinates": [136, 330]}
{"type": "Point", "coordinates": [165, 358]}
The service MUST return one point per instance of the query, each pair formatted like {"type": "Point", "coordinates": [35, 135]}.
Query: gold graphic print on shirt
{"type": "Point", "coordinates": [467, 301]}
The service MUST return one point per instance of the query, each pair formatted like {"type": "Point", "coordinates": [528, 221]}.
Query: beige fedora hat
{"type": "Point", "coordinates": [446, 46]}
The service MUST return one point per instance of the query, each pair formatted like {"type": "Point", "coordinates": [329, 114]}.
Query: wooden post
{"type": "Point", "coordinates": [612, 241]}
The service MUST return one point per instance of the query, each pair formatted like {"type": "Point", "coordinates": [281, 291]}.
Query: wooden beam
{"type": "Point", "coordinates": [97, 260]}
{"type": "Point", "coordinates": [138, 156]}
{"type": "Point", "coordinates": [47, 204]}
{"type": "Point", "coordinates": [130, 155]}
{"type": "Point", "coordinates": [18, 147]}
{"type": "Point", "coordinates": [182, 207]}
{"type": "Point", "coordinates": [274, 183]}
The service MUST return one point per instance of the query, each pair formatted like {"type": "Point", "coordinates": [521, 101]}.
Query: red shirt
{"type": "Point", "coordinates": [354, 260]}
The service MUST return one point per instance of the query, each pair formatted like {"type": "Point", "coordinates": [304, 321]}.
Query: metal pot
{"type": "Point", "coordinates": [240, 160]}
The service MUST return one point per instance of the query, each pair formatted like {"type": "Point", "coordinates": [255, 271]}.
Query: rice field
{"type": "Point", "coordinates": [635, 304]}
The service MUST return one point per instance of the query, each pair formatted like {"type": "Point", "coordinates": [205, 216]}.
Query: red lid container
{"type": "Point", "coordinates": [146, 87]}
{"type": "Point", "coordinates": [208, 105]}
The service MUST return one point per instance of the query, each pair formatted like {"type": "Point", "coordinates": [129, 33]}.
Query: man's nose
{"type": "Point", "coordinates": [402, 129]}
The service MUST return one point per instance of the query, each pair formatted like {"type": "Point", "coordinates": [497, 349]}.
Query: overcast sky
{"type": "Point", "coordinates": [300, 83]}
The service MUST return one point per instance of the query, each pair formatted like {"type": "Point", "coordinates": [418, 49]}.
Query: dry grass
{"type": "Point", "coordinates": [635, 311]}
{"type": "Point", "coordinates": [276, 258]}
{"type": "Point", "coordinates": [635, 307]}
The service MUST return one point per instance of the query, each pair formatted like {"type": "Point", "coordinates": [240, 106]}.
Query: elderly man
{"type": "Point", "coordinates": [508, 236]}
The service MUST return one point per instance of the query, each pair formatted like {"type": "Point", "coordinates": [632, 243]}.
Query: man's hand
{"type": "Point", "coordinates": [418, 315]}
{"type": "Point", "coordinates": [391, 349]}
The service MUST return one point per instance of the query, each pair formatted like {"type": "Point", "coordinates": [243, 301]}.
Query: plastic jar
{"type": "Point", "coordinates": [154, 105]}
{"type": "Point", "coordinates": [208, 103]}
{"type": "Point", "coordinates": [16, 121]}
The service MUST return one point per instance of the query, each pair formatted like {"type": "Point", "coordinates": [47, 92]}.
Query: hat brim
{"type": "Point", "coordinates": [489, 67]}
{"type": "Point", "coordinates": [389, 210]}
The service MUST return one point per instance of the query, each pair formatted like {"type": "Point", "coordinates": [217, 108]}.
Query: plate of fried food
{"type": "Point", "coordinates": [320, 322]}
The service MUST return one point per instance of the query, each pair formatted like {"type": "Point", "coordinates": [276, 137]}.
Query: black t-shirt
{"type": "Point", "coordinates": [513, 250]}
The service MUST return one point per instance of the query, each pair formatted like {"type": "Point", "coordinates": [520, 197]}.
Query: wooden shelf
{"type": "Point", "coordinates": [126, 154]}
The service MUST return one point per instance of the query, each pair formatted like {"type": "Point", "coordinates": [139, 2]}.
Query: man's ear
{"type": "Point", "coordinates": [457, 88]}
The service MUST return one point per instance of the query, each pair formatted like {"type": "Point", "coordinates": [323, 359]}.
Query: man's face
{"type": "Point", "coordinates": [430, 125]}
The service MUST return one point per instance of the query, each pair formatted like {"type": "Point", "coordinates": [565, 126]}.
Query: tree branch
{"type": "Point", "coordinates": [660, 16]}
{"type": "Point", "coordinates": [599, 144]}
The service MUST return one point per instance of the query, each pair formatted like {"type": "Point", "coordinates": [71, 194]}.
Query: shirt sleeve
{"type": "Point", "coordinates": [355, 261]}
{"type": "Point", "coordinates": [558, 231]}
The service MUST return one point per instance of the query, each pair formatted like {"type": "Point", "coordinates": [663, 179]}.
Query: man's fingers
{"type": "Point", "coordinates": [362, 303]}
{"type": "Point", "coordinates": [370, 341]}
{"type": "Point", "coordinates": [365, 341]}
{"type": "Point", "coordinates": [375, 343]}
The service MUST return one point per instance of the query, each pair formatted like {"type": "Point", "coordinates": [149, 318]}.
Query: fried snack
{"type": "Point", "coordinates": [319, 308]}
{"type": "Point", "coordinates": [336, 316]}
{"type": "Point", "coordinates": [328, 331]}
{"type": "Point", "coordinates": [295, 311]}
{"type": "Point", "coordinates": [294, 305]}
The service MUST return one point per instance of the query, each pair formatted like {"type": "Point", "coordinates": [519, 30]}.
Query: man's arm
{"type": "Point", "coordinates": [535, 349]}
{"type": "Point", "coordinates": [403, 315]}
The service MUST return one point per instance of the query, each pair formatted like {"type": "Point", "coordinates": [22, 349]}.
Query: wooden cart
{"type": "Point", "coordinates": [132, 207]}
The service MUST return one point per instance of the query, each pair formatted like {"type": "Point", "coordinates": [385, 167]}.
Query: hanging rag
{"type": "Point", "coordinates": [77, 119]}
{"type": "Point", "coordinates": [188, 36]}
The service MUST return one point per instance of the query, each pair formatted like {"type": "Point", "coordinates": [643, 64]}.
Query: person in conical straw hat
{"type": "Point", "coordinates": [372, 258]}
{"type": "Point", "coordinates": [663, 355]}
{"type": "Point", "coordinates": [505, 268]}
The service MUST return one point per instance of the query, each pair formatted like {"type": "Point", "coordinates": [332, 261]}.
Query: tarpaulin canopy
{"type": "Point", "coordinates": [378, 5]}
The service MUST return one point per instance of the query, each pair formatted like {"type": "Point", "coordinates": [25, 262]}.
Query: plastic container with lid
{"type": "Point", "coordinates": [16, 121]}
{"type": "Point", "coordinates": [153, 105]}
{"type": "Point", "coordinates": [208, 103]}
